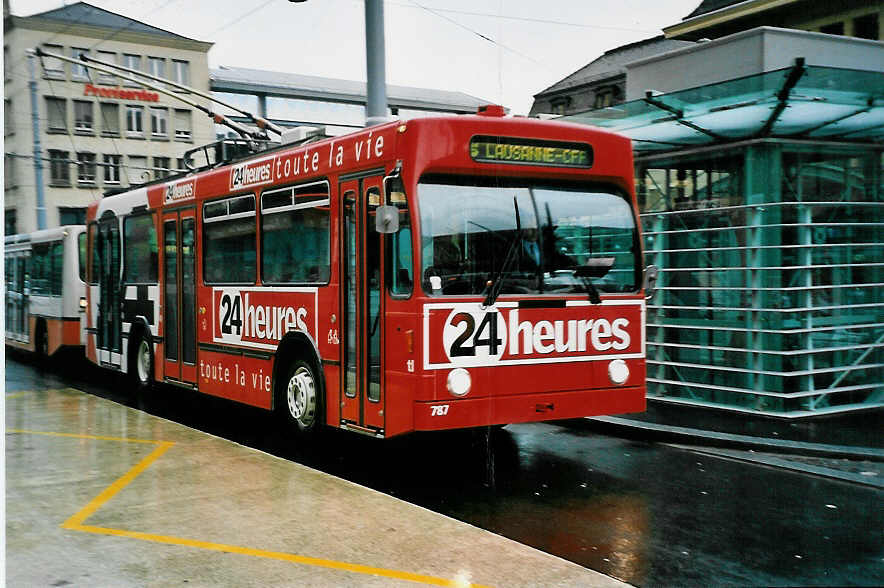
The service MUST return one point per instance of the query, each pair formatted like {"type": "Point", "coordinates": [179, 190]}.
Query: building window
{"type": "Point", "coordinates": [181, 72]}
{"type": "Point", "coordinates": [8, 118]}
{"type": "Point", "coordinates": [159, 122]}
{"type": "Point", "coordinates": [157, 66]}
{"type": "Point", "coordinates": [835, 28]}
{"type": "Point", "coordinates": [9, 172]}
{"type": "Point", "coordinates": [132, 62]}
{"type": "Point", "coordinates": [112, 169]}
{"type": "Point", "coordinates": [161, 167]}
{"type": "Point", "coordinates": [71, 215]}
{"type": "Point", "coordinates": [606, 96]}
{"type": "Point", "coordinates": [59, 172]}
{"type": "Point", "coordinates": [79, 72]}
{"type": "Point", "coordinates": [110, 119]}
{"type": "Point", "coordinates": [866, 27]}
{"type": "Point", "coordinates": [57, 115]}
{"type": "Point", "coordinates": [559, 105]}
{"type": "Point", "coordinates": [86, 168]}
{"type": "Point", "coordinates": [138, 172]}
{"type": "Point", "coordinates": [82, 116]}
{"type": "Point", "coordinates": [10, 222]}
{"type": "Point", "coordinates": [53, 67]}
{"type": "Point", "coordinates": [183, 129]}
{"type": "Point", "coordinates": [7, 69]}
{"type": "Point", "coordinates": [107, 57]}
{"type": "Point", "coordinates": [134, 121]}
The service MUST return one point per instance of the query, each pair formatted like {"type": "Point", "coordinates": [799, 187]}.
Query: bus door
{"type": "Point", "coordinates": [179, 296]}
{"type": "Point", "coordinates": [110, 300]}
{"type": "Point", "coordinates": [362, 389]}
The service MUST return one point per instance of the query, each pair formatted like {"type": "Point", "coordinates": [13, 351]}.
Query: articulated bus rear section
{"type": "Point", "coordinates": [45, 289]}
{"type": "Point", "coordinates": [434, 274]}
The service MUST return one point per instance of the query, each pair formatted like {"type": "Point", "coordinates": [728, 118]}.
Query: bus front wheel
{"type": "Point", "coordinates": [41, 342]}
{"type": "Point", "coordinates": [299, 397]}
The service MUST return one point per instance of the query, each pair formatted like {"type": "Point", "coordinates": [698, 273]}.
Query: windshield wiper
{"type": "Point", "coordinates": [495, 284]}
{"type": "Point", "coordinates": [596, 267]}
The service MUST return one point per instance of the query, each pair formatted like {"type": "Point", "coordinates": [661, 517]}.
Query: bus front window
{"type": "Point", "coordinates": [550, 233]}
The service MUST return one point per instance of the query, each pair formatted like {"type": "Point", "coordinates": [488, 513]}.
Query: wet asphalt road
{"type": "Point", "coordinates": [645, 513]}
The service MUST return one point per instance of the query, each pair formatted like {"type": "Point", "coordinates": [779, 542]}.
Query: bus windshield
{"type": "Point", "coordinates": [530, 237]}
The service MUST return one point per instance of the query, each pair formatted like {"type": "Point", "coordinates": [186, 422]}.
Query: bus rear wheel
{"type": "Point", "coordinates": [300, 397]}
{"type": "Point", "coordinates": [41, 342]}
{"type": "Point", "coordinates": [141, 365]}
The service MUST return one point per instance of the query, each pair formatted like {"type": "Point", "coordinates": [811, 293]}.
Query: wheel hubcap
{"type": "Point", "coordinates": [143, 362]}
{"type": "Point", "coordinates": [301, 396]}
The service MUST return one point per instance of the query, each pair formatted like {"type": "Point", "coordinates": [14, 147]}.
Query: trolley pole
{"type": "Point", "coordinates": [38, 148]}
{"type": "Point", "coordinates": [376, 90]}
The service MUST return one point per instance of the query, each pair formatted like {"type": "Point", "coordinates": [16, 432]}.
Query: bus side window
{"type": "Point", "coordinates": [295, 235]}
{"type": "Point", "coordinates": [140, 259]}
{"type": "Point", "coordinates": [81, 256]}
{"type": "Point", "coordinates": [229, 241]}
{"type": "Point", "coordinates": [402, 264]}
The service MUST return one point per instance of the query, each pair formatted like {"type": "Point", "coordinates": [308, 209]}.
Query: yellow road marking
{"type": "Point", "coordinates": [16, 395]}
{"type": "Point", "coordinates": [290, 557]}
{"type": "Point", "coordinates": [94, 437]}
{"type": "Point", "coordinates": [75, 523]}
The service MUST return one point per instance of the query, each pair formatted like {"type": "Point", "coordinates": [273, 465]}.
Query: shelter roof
{"type": "Point", "coordinates": [291, 85]}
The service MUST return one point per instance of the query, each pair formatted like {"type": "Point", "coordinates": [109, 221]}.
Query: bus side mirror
{"type": "Point", "coordinates": [650, 282]}
{"type": "Point", "coordinates": [386, 220]}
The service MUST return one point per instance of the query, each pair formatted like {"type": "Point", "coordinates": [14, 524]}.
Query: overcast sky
{"type": "Point", "coordinates": [502, 51]}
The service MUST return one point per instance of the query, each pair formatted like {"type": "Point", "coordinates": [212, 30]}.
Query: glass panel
{"type": "Point", "coordinates": [140, 250]}
{"type": "Point", "coordinates": [349, 281]}
{"type": "Point", "coordinates": [548, 231]}
{"type": "Point", "coordinates": [81, 257]}
{"type": "Point", "coordinates": [46, 269]}
{"type": "Point", "coordinates": [826, 101]}
{"type": "Point", "coordinates": [170, 288]}
{"type": "Point", "coordinates": [109, 320]}
{"type": "Point", "coordinates": [401, 273]}
{"type": "Point", "coordinates": [772, 308]}
{"type": "Point", "coordinates": [229, 244]}
{"type": "Point", "coordinates": [373, 296]}
{"type": "Point", "coordinates": [295, 242]}
{"type": "Point", "coordinates": [188, 291]}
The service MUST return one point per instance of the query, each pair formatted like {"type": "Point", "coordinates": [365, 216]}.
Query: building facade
{"type": "Point", "coordinates": [600, 83]}
{"type": "Point", "coordinates": [760, 176]}
{"type": "Point", "coordinates": [713, 19]}
{"type": "Point", "coordinates": [97, 132]}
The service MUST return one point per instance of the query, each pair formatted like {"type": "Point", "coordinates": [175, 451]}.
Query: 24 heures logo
{"type": "Point", "coordinates": [261, 318]}
{"type": "Point", "coordinates": [469, 335]}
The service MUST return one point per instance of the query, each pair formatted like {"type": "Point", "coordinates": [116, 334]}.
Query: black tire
{"type": "Point", "coordinates": [41, 342]}
{"type": "Point", "coordinates": [141, 366]}
{"type": "Point", "coordinates": [299, 397]}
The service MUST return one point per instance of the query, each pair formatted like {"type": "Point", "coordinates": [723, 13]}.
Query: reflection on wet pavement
{"type": "Point", "coordinates": [645, 513]}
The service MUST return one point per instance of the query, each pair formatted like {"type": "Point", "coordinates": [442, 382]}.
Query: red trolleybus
{"type": "Point", "coordinates": [433, 274]}
{"type": "Point", "coordinates": [45, 290]}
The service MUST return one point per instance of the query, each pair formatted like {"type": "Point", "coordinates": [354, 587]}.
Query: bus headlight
{"type": "Point", "coordinates": [459, 382]}
{"type": "Point", "coordinates": [82, 303]}
{"type": "Point", "coordinates": [618, 371]}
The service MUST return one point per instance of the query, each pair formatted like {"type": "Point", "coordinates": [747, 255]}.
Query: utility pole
{"type": "Point", "coordinates": [376, 87]}
{"type": "Point", "coordinates": [38, 148]}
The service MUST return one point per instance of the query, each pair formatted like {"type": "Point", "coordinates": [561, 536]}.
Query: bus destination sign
{"type": "Point", "coordinates": [487, 149]}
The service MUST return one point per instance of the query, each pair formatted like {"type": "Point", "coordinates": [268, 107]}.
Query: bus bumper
{"type": "Point", "coordinates": [502, 410]}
